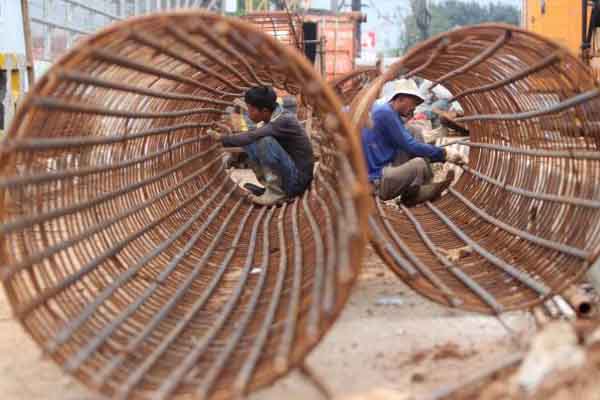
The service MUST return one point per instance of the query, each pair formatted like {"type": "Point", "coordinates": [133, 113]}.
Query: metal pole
{"type": "Point", "coordinates": [584, 43]}
{"type": "Point", "coordinates": [322, 57]}
{"type": "Point", "coordinates": [47, 5]}
{"type": "Point", "coordinates": [593, 276]}
{"type": "Point", "coordinates": [334, 6]}
{"type": "Point", "coordinates": [28, 43]}
{"type": "Point", "coordinates": [357, 7]}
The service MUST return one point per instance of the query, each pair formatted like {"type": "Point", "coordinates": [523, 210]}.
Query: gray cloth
{"type": "Point", "coordinates": [288, 132]}
{"type": "Point", "coordinates": [404, 172]}
{"type": "Point", "coordinates": [396, 179]}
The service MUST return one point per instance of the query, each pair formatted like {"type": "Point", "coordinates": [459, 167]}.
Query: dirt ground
{"type": "Point", "coordinates": [401, 349]}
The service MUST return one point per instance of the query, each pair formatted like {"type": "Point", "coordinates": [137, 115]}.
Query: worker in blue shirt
{"type": "Point", "coordinates": [398, 162]}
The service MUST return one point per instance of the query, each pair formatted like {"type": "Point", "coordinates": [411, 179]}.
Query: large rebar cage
{"type": "Point", "coordinates": [526, 206]}
{"type": "Point", "coordinates": [347, 86]}
{"type": "Point", "coordinates": [128, 253]}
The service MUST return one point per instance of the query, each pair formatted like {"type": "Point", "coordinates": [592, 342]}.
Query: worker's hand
{"type": "Point", "coordinates": [214, 134]}
{"type": "Point", "coordinates": [241, 104]}
{"type": "Point", "coordinates": [455, 157]}
{"type": "Point", "coordinates": [226, 124]}
{"type": "Point", "coordinates": [225, 127]}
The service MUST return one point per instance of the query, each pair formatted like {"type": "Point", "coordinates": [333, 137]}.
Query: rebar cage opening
{"type": "Point", "coordinates": [526, 205]}
{"type": "Point", "coordinates": [127, 252]}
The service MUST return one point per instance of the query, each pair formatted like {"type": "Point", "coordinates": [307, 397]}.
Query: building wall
{"type": "Point", "coordinates": [341, 35]}
{"type": "Point", "coordinates": [339, 30]}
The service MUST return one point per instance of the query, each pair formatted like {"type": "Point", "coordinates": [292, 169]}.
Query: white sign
{"type": "Point", "coordinates": [369, 40]}
{"type": "Point", "coordinates": [230, 6]}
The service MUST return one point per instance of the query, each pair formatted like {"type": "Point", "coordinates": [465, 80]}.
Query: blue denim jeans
{"type": "Point", "coordinates": [268, 153]}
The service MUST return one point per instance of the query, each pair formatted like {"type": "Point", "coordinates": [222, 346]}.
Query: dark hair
{"type": "Point", "coordinates": [261, 97]}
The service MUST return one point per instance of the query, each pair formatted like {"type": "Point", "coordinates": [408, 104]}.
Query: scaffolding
{"type": "Point", "coordinates": [57, 25]}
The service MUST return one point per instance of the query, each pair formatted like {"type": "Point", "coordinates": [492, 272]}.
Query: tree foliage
{"type": "Point", "coordinates": [421, 16]}
{"type": "Point", "coordinates": [256, 4]}
{"type": "Point", "coordinates": [450, 14]}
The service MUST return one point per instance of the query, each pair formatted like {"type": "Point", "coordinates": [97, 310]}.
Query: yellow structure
{"type": "Point", "coordinates": [560, 20]}
{"type": "Point", "coordinates": [13, 78]}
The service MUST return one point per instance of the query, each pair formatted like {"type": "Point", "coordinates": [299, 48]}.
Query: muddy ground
{"type": "Point", "coordinates": [376, 351]}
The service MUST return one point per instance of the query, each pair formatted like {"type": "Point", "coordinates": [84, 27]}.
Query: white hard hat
{"type": "Point", "coordinates": [440, 91]}
{"type": "Point", "coordinates": [404, 86]}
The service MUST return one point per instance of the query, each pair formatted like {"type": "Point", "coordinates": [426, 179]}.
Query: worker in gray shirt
{"type": "Point", "coordinates": [279, 151]}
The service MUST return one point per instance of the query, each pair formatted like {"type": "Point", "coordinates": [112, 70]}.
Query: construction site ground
{"type": "Point", "coordinates": [388, 344]}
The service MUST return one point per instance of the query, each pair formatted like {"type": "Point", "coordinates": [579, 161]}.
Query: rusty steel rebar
{"type": "Point", "coordinates": [527, 204]}
{"type": "Point", "coordinates": [582, 302]}
{"type": "Point", "coordinates": [348, 85]}
{"type": "Point", "coordinates": [130, 256]}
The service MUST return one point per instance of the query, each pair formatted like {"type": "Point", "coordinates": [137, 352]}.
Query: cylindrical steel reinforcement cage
{"type": "Point", "coordinates": [526, 208]}
{"type": "Point", "coordinates": [128, 253]}
{"type": "Point", "coordinates": [347, 86]}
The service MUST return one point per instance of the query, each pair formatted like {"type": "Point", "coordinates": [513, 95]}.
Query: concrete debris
{"type": "Point", "coordinates": [581, 301]}
{"type": "Point", "coordinates": [554, 349]}
{"type": "Point", "coordinates": [389, 301]}
{"type": "Point", "coordinates": [593, 338]}
{"type": "Point", "coordinates": [455, 255]}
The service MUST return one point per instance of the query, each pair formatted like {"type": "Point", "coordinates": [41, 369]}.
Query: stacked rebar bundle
{"type": "Point", "coordinates": [127, 252]}
{"type": "Point", "coordinates": [526, 207]}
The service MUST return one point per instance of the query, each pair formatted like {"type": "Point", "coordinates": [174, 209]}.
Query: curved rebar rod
{"type": "Point", "coordinates": [128, 253]}
{"type": "Point", "coordinates": [521, 223]}
{"type": "Point", "coordinates": [347, 86]}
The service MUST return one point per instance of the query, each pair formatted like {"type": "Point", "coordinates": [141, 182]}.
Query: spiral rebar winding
{"type": "Point", "coordinates": [127, 252]}
{"type": "Point", "coordinates": [347, 86]}
{"type": "Point", "coordinates": [527, 206]}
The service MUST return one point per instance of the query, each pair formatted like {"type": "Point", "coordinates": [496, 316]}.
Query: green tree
{"type": "Point", "coordinates": [421, 16]}
{"type": "Point", "coordinates": [450, 14]}
{"type": "Point", "coordinates": [241, 5]}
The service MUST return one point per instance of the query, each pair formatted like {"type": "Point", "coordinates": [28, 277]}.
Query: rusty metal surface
{"type": "Point", "coordinates": [349, 85]}
{"type": "Point", "coordinates": [527, 205]}
{"type": "Point", "coordinates": [127, 252]}
{"type": "Point", "coordinates": [284, 26]}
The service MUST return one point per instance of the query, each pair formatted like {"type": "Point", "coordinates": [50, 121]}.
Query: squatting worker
{"type": "Point", "coordinates": [279, 151]}
{"type": "Point", "coordinates": [399, 163]}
